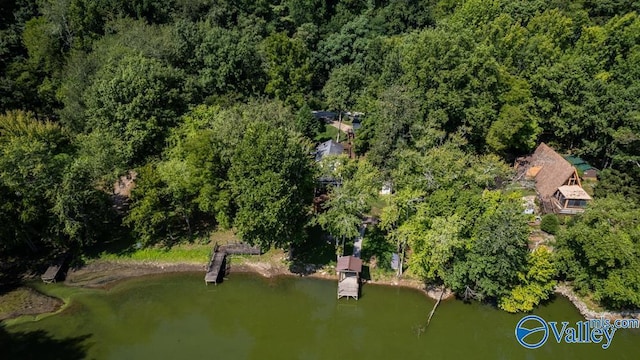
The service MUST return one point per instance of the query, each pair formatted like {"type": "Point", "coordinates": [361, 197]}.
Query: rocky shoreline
{"type": "Point", "coordinates": [567, 292]}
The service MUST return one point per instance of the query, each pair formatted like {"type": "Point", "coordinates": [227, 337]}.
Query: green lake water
{"type": "Point", "coordinates": [176, 316]}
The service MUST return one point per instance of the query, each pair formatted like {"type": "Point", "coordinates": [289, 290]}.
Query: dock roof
{"type": "Point", "coordinates": [349, 263]}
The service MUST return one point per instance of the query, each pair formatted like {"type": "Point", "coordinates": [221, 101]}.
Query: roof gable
{"type": "Point", "coordinates": [554, 170]}
{"type": "Point", "coordinates": [329, 147]}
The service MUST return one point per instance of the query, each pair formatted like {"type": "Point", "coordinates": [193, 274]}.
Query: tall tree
{"type": "Point", "coordinates": [289, 68]}
{"type": "Point", "coordinates": [598, 252]}
{"type": "Point", "coordinates": [33, 157]}
{"type": "Point", "coordinates": [498, 251]}
{"type": "Point", "coordinates": [272, 180]}
{"type": "Point", "coordinates": [137, 99]}
{"type": "Point", "coordinates": [537, 283]}
{"type": "Point", "coordinates": [351, 199]}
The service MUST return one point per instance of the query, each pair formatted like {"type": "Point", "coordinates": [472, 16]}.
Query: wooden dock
{"type": "Point", "coordinates": [217, 267]}
{"type": "Point", "coordinates": [240, 248]}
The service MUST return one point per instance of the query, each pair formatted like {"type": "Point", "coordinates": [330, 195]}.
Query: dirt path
{"type": "Point", "coordinates": [344, 127]}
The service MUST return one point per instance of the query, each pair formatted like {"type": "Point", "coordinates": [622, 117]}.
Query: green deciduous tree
{"type": "Point", "coordinates": [537, 283]}
{"type": "Point", "coordinates": [271, 178]}
{"type": "Point", "coordinates": [227, 61]}
{"type": "Point", "coordinates": [550, 224]}
{"type": "Point", "coordinates": [395, 121]}
{"type": "Point", "coordinates": [288, 67]}
{"type": "Point", "coordinates": [498, 250]}
{"type": "Point", "coordinates": [137, 99]}
{"type": "Point", "coordinates": [598, 252]}
{"type": "Point", "coordinates": [434, 244]}
{"type": "Point", "coordinates": [33, 158]}
{"type": "Point", "coordinates": [351, 199]}
{"type": "Point", "coordinates": [343, 87]}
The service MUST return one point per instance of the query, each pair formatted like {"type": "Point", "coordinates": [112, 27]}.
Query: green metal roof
{"type": "Point", "coordinates": [583, 167]}
{"type": "Point", "coordinates": [574, 160]}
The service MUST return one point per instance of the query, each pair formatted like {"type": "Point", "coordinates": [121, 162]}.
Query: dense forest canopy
{"type": "Point", "coordinates": [208, 102]}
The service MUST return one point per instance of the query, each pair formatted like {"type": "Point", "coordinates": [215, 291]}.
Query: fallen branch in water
{"type": "Point", "coordinates": [422, 329]}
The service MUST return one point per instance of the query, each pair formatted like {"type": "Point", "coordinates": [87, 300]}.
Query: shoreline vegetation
{"type": "Point", "coordinates": [134, 132]}
{"type": "Point", "coordinates": [104, 273]}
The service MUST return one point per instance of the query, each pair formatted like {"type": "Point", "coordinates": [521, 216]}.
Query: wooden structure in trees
{"type": "Point", "coordinates": [349, 269]}
{"type": "Point", "coordinates": [557, 181]}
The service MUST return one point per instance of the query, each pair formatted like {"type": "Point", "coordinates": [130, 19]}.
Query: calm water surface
{"type": "Point", "coordinates": [176, 316]}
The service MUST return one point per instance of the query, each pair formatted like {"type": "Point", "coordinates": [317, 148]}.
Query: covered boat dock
{"type": "Point", "coordinates": [349, 269]}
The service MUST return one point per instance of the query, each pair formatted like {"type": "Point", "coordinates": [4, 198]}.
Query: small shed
{"type": "Point", "coordinates": [349, 269]}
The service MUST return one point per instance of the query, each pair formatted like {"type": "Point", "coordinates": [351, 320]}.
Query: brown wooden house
{"type": "Point", "coordinates": [557, 181]}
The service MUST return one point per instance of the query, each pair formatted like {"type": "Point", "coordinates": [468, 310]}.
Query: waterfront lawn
{"type": "Point", "coordinates": [182, 253]}
{"type": "Point", "coordinates": [194, 252]}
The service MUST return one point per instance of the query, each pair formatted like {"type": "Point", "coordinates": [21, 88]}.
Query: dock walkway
{"type": "Point", "coordinates": [217, 269]}
{"type": "Point", "coordinates": [357, 245]}
{"type": "Point", "coordinates": [216, 264]}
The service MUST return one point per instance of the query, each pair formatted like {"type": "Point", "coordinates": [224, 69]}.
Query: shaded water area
{"type": "Point", "coordinates": [176, 316]}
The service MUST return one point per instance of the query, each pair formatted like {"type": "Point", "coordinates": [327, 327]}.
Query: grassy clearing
{"type": "Point", "coordinates": [523, 191]}
{"type": "Point", "coordinates": [195, 252]}
{"type": "Point", "coordinates": [329, 133]}
{"type": "Point", "coordinates": [380, 274]}
{"type": "Point", "coordinates": [179, 253]}
{"type": "Point", "coordinates": [271, 256]}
